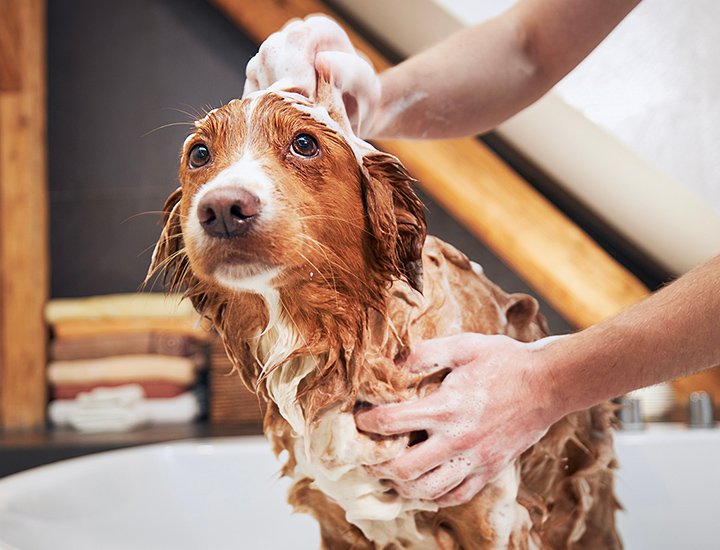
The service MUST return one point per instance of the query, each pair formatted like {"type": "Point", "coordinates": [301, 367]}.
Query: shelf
{"type": "Point", "coordinates": [23, 450]}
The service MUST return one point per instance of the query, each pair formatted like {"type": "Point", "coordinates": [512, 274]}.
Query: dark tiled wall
{"type": "Point", "coordinates": [119, 74]}
{"type": "Point", "coordinates": [124, 77]}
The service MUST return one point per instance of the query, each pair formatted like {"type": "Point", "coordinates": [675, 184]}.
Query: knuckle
{"type": "Point", "coordinates": [463, 495]}
{"type": "Point", "coordinates": [444, 415]}
{"type": "Point", "coordinates": [298, 32]}
{"type": "Point", "coordinates": [295, 35]}
{"type": "Point", "coordinates": [326, 27]}
{"type": "Point", "coordinates": [384, 419]}
{"type": "Point", "coordinates": [465, 441]}
{"type": "Point", "coordinates": [398, 472]}
{"type": "Point", "coordinates": [370, 421]}
{"type": "Point", "coordinates": [251, 68]}
{"type": "Point", "coordinates": [407, 473]}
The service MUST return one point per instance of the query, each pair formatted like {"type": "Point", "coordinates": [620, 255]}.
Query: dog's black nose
{"type": "Point", "coordinates": [228, 212]}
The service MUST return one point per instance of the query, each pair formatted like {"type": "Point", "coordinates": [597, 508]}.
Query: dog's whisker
{"type": "Point", "coordinates": [332, 218]}
{"type": "Point", "coordinates": [325, 249]}
{"type": "Point", "coordinates": [164, 126]}
{"type": "Point", "coordinates": [167, 261]}
{"type": "Point", "coordinates": [193, 116]}
{"type": "Point", "coordinates": [316, 269]}
{"type": "Point", "coordinates": [146, 249]}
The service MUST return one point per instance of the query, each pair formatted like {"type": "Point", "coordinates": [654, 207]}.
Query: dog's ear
{"type": "Point", "coordinates": [525, 323]}
{"type": "Point", "coordinates": [168, 256]}
{"type": "Point", "coordinates": [396, 217]}
{"type": "Point", "coordinates": [170, 240]}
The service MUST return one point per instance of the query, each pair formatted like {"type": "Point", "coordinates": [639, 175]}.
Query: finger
{"type": "Point", "coordinates": [435, 483]}
{"type": "Point", "coordinates": [415, 463]}
{"type": "Point", "coordinates": [285, 60]}
{"type": "Point", "coordinates": [464, 492]}
{"type": "Point", "coordinates": [450, 351]}
{"type": "Point", "coordinates": [251, 79]}
{"type": "Point", "coordinates": [346, 71]}
{"type": "Point", "coordinates": [401, 418]}
{"type": "Point", "coordinates": [328, 35]}
{"type": "Point", "coordinates": [291, 53]}
{"type": "Point", "coordinates": [249, 87]}
{"type": "Point", "coordinates": [353, 77]}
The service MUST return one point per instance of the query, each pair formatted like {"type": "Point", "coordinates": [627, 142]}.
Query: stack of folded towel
{"type": "Point", "coordinates": [124, 361]}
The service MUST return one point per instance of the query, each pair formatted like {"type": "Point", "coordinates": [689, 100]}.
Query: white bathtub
{"type": "Point", "coordinates": [669, 485]}
{"type": "Point", "coordinates": [204, 494]}
{"type": "Point", "coordinates": [225, 494]}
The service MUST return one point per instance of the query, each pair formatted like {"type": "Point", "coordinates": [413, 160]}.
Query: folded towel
{"type": "Point", "coordinates": [83, 328]}
{"type": "Point", "coordinates": [113, 306]}
{"type": "Point", "coordinates": [127, 368]}
{"type": "Point", "coordinates": [136, 343]}
{"type": "Point", "coordinates": [124, 313]}
{"type": "Point", "coordinates": [153, 388]}
{"type": "Point", "coordinates": [102, 410]}
{"type": "Point", "coordinates": [121, 409]}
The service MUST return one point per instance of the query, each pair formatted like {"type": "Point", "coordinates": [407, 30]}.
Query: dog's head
{"type": "Point", "coordinates": [276, 194]}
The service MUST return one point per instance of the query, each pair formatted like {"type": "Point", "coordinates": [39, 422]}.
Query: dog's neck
{"type": "Point", "coordinates": [298, 337]}
{"type": "Point", "coordinates": [281, 369]}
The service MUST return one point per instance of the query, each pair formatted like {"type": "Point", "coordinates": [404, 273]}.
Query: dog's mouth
{"type": "Point", "coordinates": [234, 256]}
{"type": "Point", "coordinates": [227, 238]}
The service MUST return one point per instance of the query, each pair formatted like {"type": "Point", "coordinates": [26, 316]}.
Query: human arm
{"type": "Point", "coordinates": [481, 76]}
{"type": "Point", "coordinates": [501, 395]}
{"type": "Point", "coordinates": [673, 333]}
{"type": "Point", "coordinates": [464, 85]}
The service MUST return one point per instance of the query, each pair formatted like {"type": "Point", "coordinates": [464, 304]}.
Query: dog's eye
{"type": "Point", "coordinates": [199, 156]}
{"type": "Point", "coordinates": [305, 145]}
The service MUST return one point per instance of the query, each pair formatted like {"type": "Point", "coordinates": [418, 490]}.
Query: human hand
{"type": "Point", "coordinates": [294, 58]}
{"type": "Point", "coordinates": [494, 404]}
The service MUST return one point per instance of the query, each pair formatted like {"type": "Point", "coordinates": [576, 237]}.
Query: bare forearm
{"type": "Point", "coordinates": [671, 334]}
{"type": "Point", "coordinates": [454, 88]}
{"type": "Point", "coordinates": [481, 76]}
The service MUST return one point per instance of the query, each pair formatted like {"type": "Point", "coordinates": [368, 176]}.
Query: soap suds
{"type": "Point", "coordinates": [334, 455]}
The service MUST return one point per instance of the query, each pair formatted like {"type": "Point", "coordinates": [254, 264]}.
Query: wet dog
{"type": "Point", "coordinates": [307, 248]}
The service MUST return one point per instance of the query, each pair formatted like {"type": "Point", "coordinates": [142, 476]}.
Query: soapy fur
{"type": "Point", "coordinates": [333, 282]}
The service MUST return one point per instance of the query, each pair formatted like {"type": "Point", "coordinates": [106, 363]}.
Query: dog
{"type": "Point", "coordinates": [307, 249]}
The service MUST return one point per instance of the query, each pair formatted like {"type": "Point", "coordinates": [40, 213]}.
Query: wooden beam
{"type": "Point", "coordinates": [24, 226]}
{"type": "Point", "coordinates": [547, 250]}
{"type": "Point", "coordinates": [9, 42]}
{"type": "Point", "coordinates": [562, 263]}
{"type": "Point", "coordinates": [258, 19]}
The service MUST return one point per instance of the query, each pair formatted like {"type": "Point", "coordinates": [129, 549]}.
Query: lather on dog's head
{"type": "Point", "coordinates": [279, 200]}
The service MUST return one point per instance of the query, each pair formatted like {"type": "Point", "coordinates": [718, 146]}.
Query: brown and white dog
{"type": "Point", "coordinates": [307, 249]}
